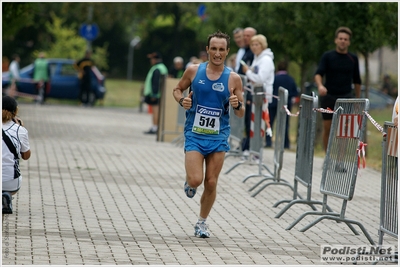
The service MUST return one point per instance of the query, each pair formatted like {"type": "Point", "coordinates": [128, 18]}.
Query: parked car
{"type": "Point", "coordinates": [377, 99]}
{"type": "Point", "coordinates": [64, 81]}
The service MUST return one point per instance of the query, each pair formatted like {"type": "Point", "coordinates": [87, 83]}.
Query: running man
{"type": "Point", "coordinates": [213, 87]}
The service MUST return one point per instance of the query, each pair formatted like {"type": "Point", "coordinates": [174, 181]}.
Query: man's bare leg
{"type": "Point", "coordinates": [214, 163]}
{"type": "Point", "coordinates": [194, 168]}
{"type": "Point", "coordinates": [155, 109]}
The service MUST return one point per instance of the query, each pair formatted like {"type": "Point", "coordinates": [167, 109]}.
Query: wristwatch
{"type": "Point", "coordinates": [180, 101]}
{"type": "Point", "coordinates": [238, 106]}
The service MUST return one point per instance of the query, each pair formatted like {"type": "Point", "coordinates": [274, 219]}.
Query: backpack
{"type": "Point", "coordinates": [13, 150]}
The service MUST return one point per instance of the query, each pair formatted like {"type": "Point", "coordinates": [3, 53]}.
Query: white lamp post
{"type": "Point", "coordinates": [132, 45]}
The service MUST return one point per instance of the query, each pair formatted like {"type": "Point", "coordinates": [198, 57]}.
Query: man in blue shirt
{"type": "Point", "coordinates": [214, 87]}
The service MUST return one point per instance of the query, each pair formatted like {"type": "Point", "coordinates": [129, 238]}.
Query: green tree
{"type": "Point", "coordinates": [373, 25]}
{"type": "Point", "coordinates": [298, 32]}
{"type": "Point", "coordinates": [67, 44]}
{"type": "Point", "coordinates": [16, 16]}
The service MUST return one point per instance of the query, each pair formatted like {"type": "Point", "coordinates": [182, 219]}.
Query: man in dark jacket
{"type": "Point", "coordinates": [282, 78]}
{"type": "Point", "coordinates": [248, 59]}
{"type": "Point", "coordinates": [84, 66]}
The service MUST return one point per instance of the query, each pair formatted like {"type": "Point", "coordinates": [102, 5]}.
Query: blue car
{"type": "Point", "coordinates": [64, 81]}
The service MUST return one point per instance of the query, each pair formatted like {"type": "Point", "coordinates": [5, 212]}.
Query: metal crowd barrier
{"type": "Point", "coordinates": [389, 184]}
{"type": "Point", "coordinates": [304, 154]}
{"type": "Point", "coordinates": [237, 129]}
{"type": "Point", "coordinates": [279, 144]}
{"type": "Point", "coordinates": [342, 161]}
{"type": "Point", "coordinates": [256, 140]}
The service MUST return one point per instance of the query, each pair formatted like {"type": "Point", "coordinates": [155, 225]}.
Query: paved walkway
{"type": "Point", "coordinates": [97, 191]}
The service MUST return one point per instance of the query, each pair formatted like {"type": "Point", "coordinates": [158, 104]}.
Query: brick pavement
{"type": "Point", "coordinates": [97, 191]}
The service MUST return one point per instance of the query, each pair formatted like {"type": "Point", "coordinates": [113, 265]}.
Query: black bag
{"type": "Point", "coordinates": [13, 150]}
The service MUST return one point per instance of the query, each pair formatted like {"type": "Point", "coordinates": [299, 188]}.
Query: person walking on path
{"type": "Point", "coordinates": [153, 87]}
{"type": "Point", "coordinates": [15, 145]}
{"type": "Point", "coordinates": [213, 88]}
{"type": "Point", "coordinates": [41, 76]}
{"type": "Point", "coordinates": [14, 75]}
{"type": "Point", "coordinates": [341, 69]}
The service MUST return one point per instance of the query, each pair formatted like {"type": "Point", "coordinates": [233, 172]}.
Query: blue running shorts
{"type": "Point", "coordinates": [205, 146]}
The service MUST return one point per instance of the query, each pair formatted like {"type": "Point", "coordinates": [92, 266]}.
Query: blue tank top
{"type": "Point", "coordinates": [208, 117]}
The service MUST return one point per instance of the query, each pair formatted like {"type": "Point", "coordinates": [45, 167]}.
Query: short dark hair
{"type": "Point", "coordinates": [282, 65]}
{"type": "Point", "coordinates": [219, 34]}
{"type": "Point", "coordinates": [236, 30]}
{"type": "Point", "coordinates": [9, 104]}
{"type": "Point", "coordinates": [344, 30]}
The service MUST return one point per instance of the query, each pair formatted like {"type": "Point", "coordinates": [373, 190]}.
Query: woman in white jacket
{"type": "Point", "coordinates": [262, 70]}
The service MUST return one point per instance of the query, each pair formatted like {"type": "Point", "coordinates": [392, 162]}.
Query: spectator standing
{"type": "Point", "coordinates": [84, 67]}
{"type": "Point", "coordinates": [213, 88]}
{"type": "Point", "coordinates": [15, 145]}
{"type": "Point", "coordinates": [14, 75]}
{"type": "Point", "coordinates": [153, 87]}
{"type": "Point", "coordinates": [239, 40]}
{"type": "Point", "coordinates": [262, 70]}
{"type": "Point", "coordinates": [203, 56]}
{"type": "Point", "coordinates": [282, 78]}
{"type": "Point", "coordinates": [41, 76]}
{"type": "Point", "coordinates": [176, 71]}
{"type": "Point", "coordinates": [248, 57]}
{"type": "Point", "coordinates": [341, 69]}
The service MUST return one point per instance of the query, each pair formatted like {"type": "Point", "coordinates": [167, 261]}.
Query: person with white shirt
{"type": "Point", "coordinates": [14, 75]}
{"type": "Point", "coordinates": [262, 69]}
{"type": "Point", "coordinates": [239, 40]}
{"type": "Point", "coordinates": [15, 145]}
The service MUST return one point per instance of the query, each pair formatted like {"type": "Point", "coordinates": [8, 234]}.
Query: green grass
{"type": "Point", "coordinates": [373, 138]}
{"type": "Point", "coordinates": [120, 93]}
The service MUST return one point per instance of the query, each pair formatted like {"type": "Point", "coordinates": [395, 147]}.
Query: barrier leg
{"type": "Point", "coordinates": [291, 200]}
{"type": "Point", "coordinates": [260, 182]}
{"type": "Point", "coordinates": [311, 224]}
{"type": "Point", "coordinates": [301, 217]}
{"type": "Point", "coordinates": [348, 223]}
{"type": "Point", "coordinates": [234, 166]}
{"type": "Point", "coordinates": [284, 182]}
{"type": "Point", "coordinates": [297, 201]}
